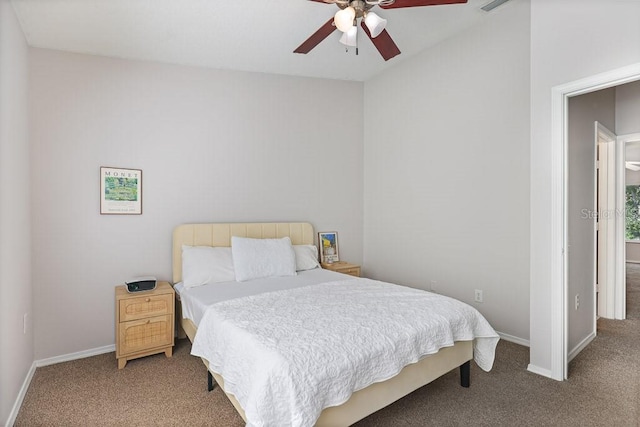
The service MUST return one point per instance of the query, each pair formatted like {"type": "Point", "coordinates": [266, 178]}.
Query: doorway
{"type": "Point", "coordinates": [561, 299]}
{"type": "Point", "coordinates": [590, 225]}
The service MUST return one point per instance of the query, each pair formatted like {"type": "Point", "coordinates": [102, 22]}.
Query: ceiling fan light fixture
{"type": "Point", "coordinates": [375, 24]}
{"type": "Point", "coordinates": [344, 18]}
{"type": "Point", "coordinates": [349, 38]}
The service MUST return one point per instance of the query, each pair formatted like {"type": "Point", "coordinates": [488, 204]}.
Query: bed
{"type": "Point", "coordinates": [361, 402]}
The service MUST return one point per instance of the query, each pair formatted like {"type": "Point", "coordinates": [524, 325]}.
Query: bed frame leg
{"type": "Point", "coordinates": [210, 383]}
{"type": "Point", "coordinates": [465, 374]}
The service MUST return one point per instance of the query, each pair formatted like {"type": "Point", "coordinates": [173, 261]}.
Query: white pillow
{"type": "Point", "coordinates": [256, 258]}
{"type": "Point", "coordinates": [202, 265]}
{"type": "Point", "coordinates": [306, 257]}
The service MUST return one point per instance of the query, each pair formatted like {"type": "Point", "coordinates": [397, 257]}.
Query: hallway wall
{"type": "Point", "coordinates": [584, 110]}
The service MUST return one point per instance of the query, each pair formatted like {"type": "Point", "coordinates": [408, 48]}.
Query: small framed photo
{"type": "Point", "coordinates": [328, 241]}
{"type": "Point", "coordinates": [120, 191]}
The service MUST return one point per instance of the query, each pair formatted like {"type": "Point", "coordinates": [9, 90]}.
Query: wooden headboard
{"type": "Point", "coordinates": [219, 234]}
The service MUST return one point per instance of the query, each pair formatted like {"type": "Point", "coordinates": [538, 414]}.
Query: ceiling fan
{"type": "Point", "coordinates": [347, 17]}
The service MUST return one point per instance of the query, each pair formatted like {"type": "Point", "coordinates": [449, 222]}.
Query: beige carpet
{"type": "Point", "coordinates": [603, 389]}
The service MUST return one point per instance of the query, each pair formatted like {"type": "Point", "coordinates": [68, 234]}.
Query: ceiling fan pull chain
{"type": "Point", "coordinates": [357, 38]}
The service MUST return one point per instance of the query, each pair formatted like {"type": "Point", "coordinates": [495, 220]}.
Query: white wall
{"type": "Point", "coordinates": [213, 146]}
{"type": "Point", "coordinates": [628, 108]}
{"type": "Point", "coordinates": [447, 169]}
{"type": "Point", "coordinates": [584, 110]}
{"type": "Point", "coordinates": [566, 45]}
{"type": "Point", "coordinates": [631, 148]}
{"type": "Point", "coordinates": [16, 347]}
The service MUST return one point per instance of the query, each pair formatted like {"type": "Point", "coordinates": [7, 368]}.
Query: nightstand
{"type": "Point", "coordinates": [343, 267]}
{"type": "Point", "coordinates": [144, 322]}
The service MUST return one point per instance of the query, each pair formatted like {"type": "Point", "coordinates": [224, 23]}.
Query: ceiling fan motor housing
{"type": "Point", "coordinates": [359, 6]}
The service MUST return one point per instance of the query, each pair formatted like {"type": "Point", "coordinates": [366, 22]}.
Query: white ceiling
{"type": "Point", "coordinates": [248, 35]}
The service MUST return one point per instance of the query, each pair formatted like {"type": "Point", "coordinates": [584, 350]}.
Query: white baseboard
{"type": "Point", "coordinates": [74, 356]}
{"type": "Point", "coordinates": [531, 368]}
{"type": "Point", "coordinates": [513, 339]}
{"type": "Point", "coordinates": [540, 371]}
{"type": "Point", "coordinates": [23, 391]}
{"type": "Point", "coordinates": [577, 349]}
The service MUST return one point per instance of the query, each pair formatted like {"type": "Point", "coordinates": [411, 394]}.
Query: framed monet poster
{"type": "Point", "coordinates": [120, 191]}
{"type": "Point", "coordinates": [328, 241]}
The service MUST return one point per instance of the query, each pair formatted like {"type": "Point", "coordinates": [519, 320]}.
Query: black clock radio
{"type": "Point", "coordinates": [138, 284]}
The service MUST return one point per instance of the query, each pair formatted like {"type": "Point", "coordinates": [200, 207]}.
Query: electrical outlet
{"type": "Point", "coordinates": [478, 295]}
{"type": "Point", "coordinates": [577, 301]}
{"type": "Point", "coordinates": [433, 285]}
{"type": "Point", "coordinates": [24, 323]}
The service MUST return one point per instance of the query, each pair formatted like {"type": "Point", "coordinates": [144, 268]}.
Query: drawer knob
{"type": "Point", "coordinates": [148, 299]}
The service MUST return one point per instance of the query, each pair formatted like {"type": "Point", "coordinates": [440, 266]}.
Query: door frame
{"type": "Point", "coordinates": [621, 269]}
{"type": "Point", "coordinates": [608, 225]}
{"type": "Point", "coordinates": [558, 210]}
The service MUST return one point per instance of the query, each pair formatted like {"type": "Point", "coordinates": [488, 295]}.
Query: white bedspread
{"type": "Point", "coordinates": [287, 355]}
{"type": "Point", "coordinates": [195, 301]}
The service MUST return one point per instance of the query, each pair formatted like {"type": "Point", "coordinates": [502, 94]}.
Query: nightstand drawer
{"type": "Point", "coordinates": [344, 268]}
{"type": "Point", "coordinates": [354, 271]}
{"type": "Point", "coordinates": [145, 334]}
{"type": "Point", "coordinates": [145, 306]}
